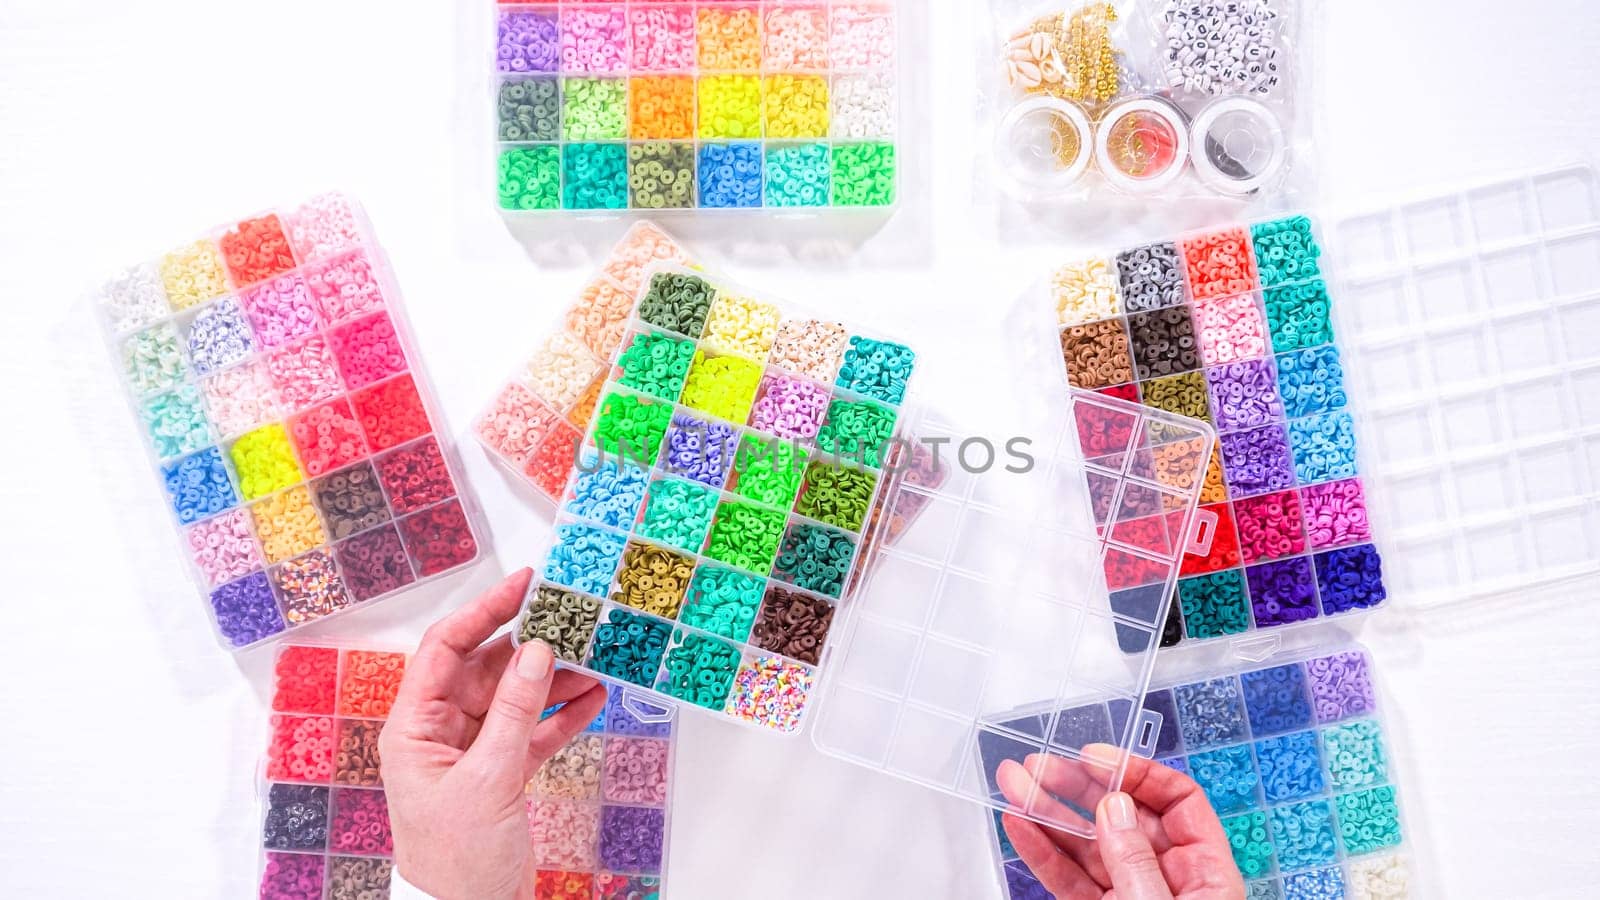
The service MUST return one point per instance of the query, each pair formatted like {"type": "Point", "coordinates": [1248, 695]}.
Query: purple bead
{"type": "Point", "coordinates": [1341, 686]}
{"type": "Point", "coordinates": [699, 450]}
{"type": "Point", "coordinates": [1282, 592]}
{"type": "Point", "coordinates": [1257, 461]}
{"type": "Point", "coordinates": [630, 839]}
{"type": "Point", "coordinates": [1021, 885]}
{"type": "Point", "coordinates": [246, 611]}
{"type": "Point", "coordinates": [1350, 578]}
{"type": "Point", "coordinates": [1244, 395]}
{"type": "Point", "coordinates": [618, 720]}
{"type": "Point", "coordinates": [529, 41]}
{"type": "Point", "coordinates": [790, 407]}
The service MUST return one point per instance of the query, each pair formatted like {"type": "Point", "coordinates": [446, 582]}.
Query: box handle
{"type": "Point", "coordinates": [1146, 732]}
{"type": "Point", "coordinates": [644, 710]}
{"type": "Point", "coordinates": [1202, 533]}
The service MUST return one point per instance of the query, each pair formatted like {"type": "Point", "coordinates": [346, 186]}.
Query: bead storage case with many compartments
{"type": "Point", "coordinates": [1169, 98]}
{"type": "Point", "coordinates": [275, 384]}
{"type": "Point", "coordinates": [536, 420]}
{"type": "Point", "coordinates": [1234, 326]}
{"type": "Point", "coordinates": [1293, 756]}
{"type": "Point", "coordinates": [713, 104]}
{"type": "Point", "coordinates": [719, 499]}
{"type": "Point", "coordinates": [600, 810]}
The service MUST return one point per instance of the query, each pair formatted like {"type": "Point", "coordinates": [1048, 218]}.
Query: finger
{"type": "Point", "coordinates": [1135, 873]}
{"type": "Point", "coordinates": [1060, 874]}
{"type": "Point", "coordinates": [502, 743]}
{"type": "Point", "coordinates": [1016, 782]}
{"type": "Point", "coordinates": [1186, 816]}
{"type": "Point", "coordinates": [564, 724]}
{"type": "Point", "coordinates": [446, 644]}
{"type": "Point", "coordinates": [1022, 790]}
{"type": "Point", "coordinates": [475, 690]}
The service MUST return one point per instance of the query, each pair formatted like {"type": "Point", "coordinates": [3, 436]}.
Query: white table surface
{"type": "Point", "coordinates": [130, 744]}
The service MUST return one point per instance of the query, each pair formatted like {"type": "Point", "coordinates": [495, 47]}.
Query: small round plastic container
{"type": "Point", "coordinates": [1043, 146]}
{"type": "Point", "coordinates": [1238, 145]}
{"type": "Point", "coordinates": [1141, 144]}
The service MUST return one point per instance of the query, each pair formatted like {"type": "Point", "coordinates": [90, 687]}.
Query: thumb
{"type": "Point", "coordinates": [502, 744]}
{"type": "Point", "coordinates": [1126, 851]}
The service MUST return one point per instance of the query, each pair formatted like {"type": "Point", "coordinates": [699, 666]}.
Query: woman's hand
{"type": "Point", "coordinates": [463, 739]}
{"type": "Point", "coordinates": [1158, 839]}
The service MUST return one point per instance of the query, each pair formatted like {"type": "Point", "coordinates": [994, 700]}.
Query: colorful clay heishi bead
{"type": "Point", "coordinates": [661, 107]}
{"type": "Point", "coordinates": [281, 310]}
{"type": "Point", "coordinates": [1269, 527]}
{"type": "Point", "coordinates": [1286, 251]}
{"type": "Point", "coordinates": [192, 274]}
{"type": "Point", "coordinates": [583, 410]}
{"type": "Point", "coordinates": [1210, 713]}
{"type": "Point", "coordinates": [293, 876]}
{"type": "Point", "coordinates": [661, 175]}
{"type": "Point", "coordinates": [358, 878]}
{"type": "Point", "coordinates": [297, 817]}
{"type": "Point", "coordinates": [1341, 686]}
{"type": "Point", "coordinates": [1380, 878]}
{"type": "Point", "coordinates": [663, 38]}
{"type": "Point", "coordinates": [794, 106]}
{"type": "Point", "coordinates": [1085, 291]}
{"type": "Point", "coordinates": [594, 176]}
{"type": "Point", "coordinates": [768, 471]}
{"type": "Point", "coordinates": [863, 174]}
{"type": "Point", "coordinates": [876, 369]}
{"type": "Point", "coordinates": [553, 459]}
{"type": "Point", "coordinates": [311, 587]}
{"type": "Point", "coordinates": [699, 450]}
{"type": "Point", "coordinates": [574, 772]}
{"type": "Point", "coordinates": [368, 350]}
{"type": "Point", "coordinates": [1257, 461]}
{"type": "Point", "coordinates": [133, 299]}
{"type": "Point", "coordinates": [350, 500]}
{"type": "Point", "coordinates": [256, 250]}
{"type": "Point", "coordinates": [223, 547]}
{"type": "Point", "coordinates": [1355, 755]}
{"type": "Point", "coordinates": [856, 429]}
{"type": "Point", "coordinates": [816, 559]}
{"type": "Point", "coordinates": [563, 835]}
{"type": "Point", "coordinates": [600, 317]}
{"type": "Point", "coordinates": [1276, 699]}
{"type": "Point", "coordinates": [793, 624]}
{"type": "Point", "coordinates": [1303, 834]}
{"type": "Point", "coordinates": [369, 682]}
{"type": "Point", "coordinates": [1350, 578]}
{"type": "Point", "coordinates": [530, 178]}
{"type": "Point", "coordinates": [1150, 277]}
{"type": "Point", "coordinates": [219, 336]}
{"type": "Point", "coordinates": [728, 37]}
{"type": "Point", "coordinates": [655, 364]}
{"type": "Point", "coordinates": [594, 38]}
{"type": "Point", "coordinates": [323, 226]}
{"type": "Point", "coordinates": [1282, 592]}
{"type": "Point", "coordinates": [722, 602]}
{"type": "Point", "coordinates": [1324, 447]}
{"type": "Point", "coordinates": [265, 462]}
{"type": "Point", "coordinates": [745, 535]}
{"type": "Point", "coordinates": [863, 107]}
{"type": "Point", "coordinates": [1290, 766]}
{"type": "Point", "coordinates": [631, 428]}
{"type": "Point", "coordinates": [594, 109]}
{"type": "Point", "coordinates": [1183, 394]}
{"type": "Point", "coordinates": [607, 492]}
{"type": "Point", "coordinates": [796, 37]}
{"type": "Point", "coordinates": [1244, 395]}
{"type": "Point", "coordinates": [1311, 381]}
{"type": "Point", "coordinates": [246, 610]}
{"type": "Point", "coordinates": [530, 109]}
{"type": "Point", "coordinates": [529, 41]}
{"type": "Point", "coordinates": [563, 619]}
{"type": "Point", "coordinates": [1229, 778]}
{"type": "Point", "coordinates": [631, 838]}
{"type": "Point", "coordinates": [798, 175]}
{"type": "Point", "coordinates": [730, 175]}
{"type": "Point", "coordinates": [153, 359]}
{"type": "Point", "coordinates": [562, 370]}
{"type": "Point", "coordinates": [677, 302]}
{"type": "Point", "coordinates": [1163, 342]}
{"type": "Point", "coordinates": [1231, 329]}
{"type": "Point", "coordinates": [1297, 316]}
{"type": "Point", "coordinates": [652, 579]}
{"type": "Point", "coordinates": [1224, 553]}
{"type": "Point", "coordinates": [374, 563]}
{"type": "Point", "coordinates": [1219, 264]}
{"type": "Point", "coordinates": [722, 386]}
{"type": "Point", "coordinates": [643, 246]}
{"type": "Point", "coordinates": [415, 476]}
{"type": "Point", "coordinates": [438, 538]}
{"type": "Point", "coordinates": [740, 325]}
{"type": "Point", "coordinates": [391, 412]}
{"type": "Point", "coordinates": [584, 558]}
{"type": "Point", "coordinates": [1252, 850]}
{"type": "Point", "coordinates": [698, 669]}
{"type": "Point", "coordinates": [861, 36]}
{"type": "Point", "coordinates": [305, 373]}
{"type": "Point", "coordinates": [301, 749]}
{"type": "Point", "coordinates": [812, 348]}
{"type": "Point", "coordinates": [176, 422]}
{"type": "Point", "coordinates": [636, 770]}
{"type": "Point", "coordinates": [771, 691]}
{"type": "Point", "coordinates": [327, 437]}
{"type": "Point", "coordinates": [789, 407]}
{"type": "Point", "coordinates": [287, 524]}
{"type": "Point", "coordinates": [729, 107]}
{"type": "Point", "coordinates": [836, 495]}
{"type": "Point", "coordinates": [1096, 355]}
{"type": "Point", "coordinates": [557, 885]}
{"type": "Point", "coordinates": [304, 680]}
{"type": "Point", "coordinates": [344, 287]}
{"type": "Point", "coordinates": [516, 423]}
{"type": "Point", "coordinates": [1213, 489]}
{"type": "Point", "coordinates": [628, 646]}
{"type": "Point", "coordinates": [678, 513]}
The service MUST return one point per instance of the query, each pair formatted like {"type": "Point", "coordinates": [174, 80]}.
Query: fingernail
{"type": "Point", "coordinates": [1119, 809]}
{"type": "Point", "coordinates": [534, 661]}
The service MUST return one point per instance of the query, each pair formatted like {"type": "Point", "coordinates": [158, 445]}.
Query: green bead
{"type": "Point", "coordinates": [656, 364]}
{"type": "Point", "coordinates": [678, 513]}
{"type": "Point", "coordinates": [859, 430]}
{"type": "Point", "coordinates": [768, 470]}
{"type": "Point", "coordinates": [594, 176]}
{"type": "Point", "coordinates": [836, 495]}
{"type": "Point", "coordinates": [745, 535]}
{"type": "Point", "coordinates": [594, 109]}
{"type": "Point", "coordinates": [863, 174]}
{"type": "Point", "coordinates": [797, 175]}
{"type": "Point", "coordinates": [632, 427]}
{"type": "Point", "coordinates": [530, 178]}
{"type": "Point", "coordinates": [1215, 604]}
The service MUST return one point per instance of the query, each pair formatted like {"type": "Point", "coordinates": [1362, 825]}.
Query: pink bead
{"type": "Point", "coordinates": [663, 38]}
{"type": "Point", "coordinates": [305, 374]}
{"type": "Point", "coordinates": [594, 40]}
{"type": "Point", "coordinates": [368, 350]}
{"type": "Point", "coordinates": [861, 36]}
{"type": "Point", "coordinates": [224, 547]}
{"type": "Point", "coordinates": [323, 226]}
{"type": "Point", "coordinates": [515, 424]}
{"type": "Point", "coordinates": [344, 287]}
{"type": "Point", "coordinates": [1231, 329]}
{"type": "Point", "coordinates": [281, 310]}
{"type": "Point", "coordinates": [789, 407]}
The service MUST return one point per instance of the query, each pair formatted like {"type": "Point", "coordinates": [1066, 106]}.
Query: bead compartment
{"type": "Point", "coordinates": [273, 336]}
